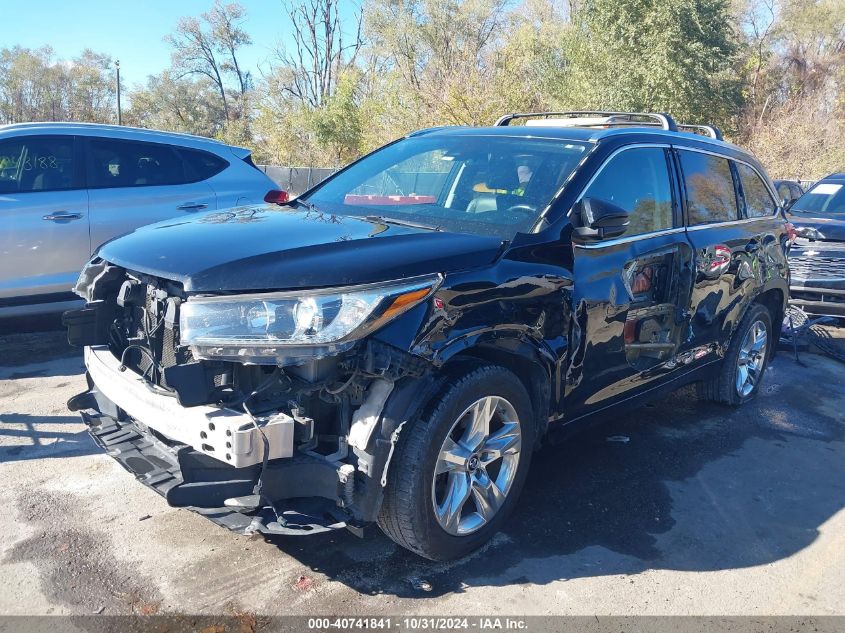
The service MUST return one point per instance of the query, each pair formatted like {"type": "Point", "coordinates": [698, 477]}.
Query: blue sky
{"type": "Point", "coordinates": [132, 32]}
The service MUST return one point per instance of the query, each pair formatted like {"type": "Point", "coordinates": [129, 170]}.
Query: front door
{"type": "Point", "coordinates": [44, 239]}
{"type": "Point", "coordinates": [628, 326]}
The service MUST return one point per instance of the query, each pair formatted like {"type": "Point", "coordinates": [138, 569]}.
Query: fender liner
{"type": "Point", "coordinates": [404, 404]}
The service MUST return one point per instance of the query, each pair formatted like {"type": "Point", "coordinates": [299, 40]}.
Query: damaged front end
{"type": "Point", "coordinates": [264, 412]}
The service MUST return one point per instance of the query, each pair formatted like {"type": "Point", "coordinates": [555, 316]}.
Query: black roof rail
{"type": "Point", "coordinates": [661, 119]}
{"type": "Point", "coordinates": [707, 130]}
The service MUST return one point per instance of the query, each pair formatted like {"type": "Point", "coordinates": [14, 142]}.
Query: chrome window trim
{"type": "Point", "coordinates": [677, 229]}
{"type": "Point", "coordinates": [699, 227]}
{"type": "Point", "coordinates": [736, 160]}
{"type": "Point", "coordinates": [626, 238]}
{"type": "Point", "coordinates": [607, 160]}
{"type": "Point", "coordinates": [774, 198]}
{"type": "Point", "coordinates": [629, 238]}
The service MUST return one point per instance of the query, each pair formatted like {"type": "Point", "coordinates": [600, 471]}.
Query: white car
{"type": "Point", "coordinates": [65, 188]}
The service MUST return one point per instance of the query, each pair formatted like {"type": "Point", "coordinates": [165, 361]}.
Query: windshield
{"type": "Point", "coordinates": [469, 184]}
{"type": "Point", "coordinates": [825, 200]}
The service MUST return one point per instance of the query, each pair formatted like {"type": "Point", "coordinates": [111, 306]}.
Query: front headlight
{"type": "Point", "coordinates": [267, 328]}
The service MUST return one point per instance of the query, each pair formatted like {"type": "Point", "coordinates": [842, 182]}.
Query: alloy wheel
{"type": "Point", "coordinates": [476, 465]}
{"type": "Point", "coordinates": [752, 358]}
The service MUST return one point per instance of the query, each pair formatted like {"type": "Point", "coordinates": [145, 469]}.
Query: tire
{"type": "Point", "coordinates": [724, 387]}
{"type": "Point", "coordinates": [414, 489]}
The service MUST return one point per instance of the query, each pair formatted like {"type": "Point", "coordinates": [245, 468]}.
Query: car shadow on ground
{"type": "Point", "coordinates": [26, 437]}
{"type": "Point", "coordinates": [695, 487]}
{"type": "Point", "coordinates": [28, 355]}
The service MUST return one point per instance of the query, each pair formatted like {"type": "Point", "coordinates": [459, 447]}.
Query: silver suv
{"type": "Point", "coordinates": [65, 188]}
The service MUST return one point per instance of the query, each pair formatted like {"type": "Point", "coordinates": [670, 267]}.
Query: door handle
{"type": "Point", "coordinates": [192, 206]}
{"type": "Point", "coordinates": [58, 216]}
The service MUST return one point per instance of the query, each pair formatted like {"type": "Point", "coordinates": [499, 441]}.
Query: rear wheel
{"type": "Point", "coordinates": [457, 472]}
{"type": "Point", "coordinates": [746, 360]}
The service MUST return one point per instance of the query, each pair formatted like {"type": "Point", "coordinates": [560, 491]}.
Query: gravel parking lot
{"type": "Point", "coordinates": [679, 508]}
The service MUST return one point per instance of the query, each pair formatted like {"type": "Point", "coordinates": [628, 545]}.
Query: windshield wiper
{"type": "Point", "coordinates": [399, 222]}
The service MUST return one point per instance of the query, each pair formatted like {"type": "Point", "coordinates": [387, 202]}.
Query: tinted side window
{"type": "Point", "coordinates": [758, 200]}
{"type": "Point", "coordinates": [201, 165]}
{"type": "Point", "coordinates": [36, 163]}
{"type": "Point", "coordinates": [116, 163]}
{"type": "Point", "coordinates": [638, 181]}
{"type": "Point", "coordinates": [711, 196]}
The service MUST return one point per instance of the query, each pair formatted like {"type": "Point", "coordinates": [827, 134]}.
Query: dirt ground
{"type": "Point", "coordinates": [679, 508]}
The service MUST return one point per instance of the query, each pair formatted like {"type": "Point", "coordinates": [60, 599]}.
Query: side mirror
{"type": "Point", "coordinates": [600, 219]}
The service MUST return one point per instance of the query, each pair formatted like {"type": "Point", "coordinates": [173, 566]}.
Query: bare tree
{"type": "Point", "coordinates": [319, 54]}
{"type": "Point", "coordinates": [759, 22]}
{"type": "Point", "coordinates": [226, 22]}
{"type": "Point", "coordinates": [209, 46]}
{"type": "Point", "coordinates": [194, 54]}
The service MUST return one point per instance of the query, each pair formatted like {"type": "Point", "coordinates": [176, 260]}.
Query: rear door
{"type": "Point", "coordinates": [727, 249]}
{"type": "Point", "coordinates": [627, 289]}
{"type": "Point", "coordinates": [132, 183]}
{"type": "Point", "coordinates": [44, 240]}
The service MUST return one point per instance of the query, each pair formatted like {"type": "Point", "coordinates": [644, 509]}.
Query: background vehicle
{"type": "Point", "coordinates": [789, 190]}
{"type": "Point", "coordinates": [65, 188]}
{"type": "Point", "coordinates": [392, 346]}
{"type": "Point", "coordinates": [817, 257]}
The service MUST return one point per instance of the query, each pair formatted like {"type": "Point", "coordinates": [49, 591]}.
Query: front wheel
{"type": "Point", "coordinates": [745, 361]}
{"type": "Point", "coordinates": [457, 472]}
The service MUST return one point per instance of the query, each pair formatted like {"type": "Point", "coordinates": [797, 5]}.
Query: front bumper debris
{"type": "Point", "coordinates": [224, 434]}
{"type": "Point", "coordinates": [191, 479]}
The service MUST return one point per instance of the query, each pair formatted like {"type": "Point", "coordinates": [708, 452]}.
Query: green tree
{"type": "Point", "coordinates": [36, 86]}
{"type": "Point", "coordinates": [338, 125]}
{"type": "Point", "coordinates": [177, 104]}
{"type": "Point", "coordinates": [655, 55]}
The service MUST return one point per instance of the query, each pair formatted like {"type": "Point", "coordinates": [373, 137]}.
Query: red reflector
{"type": "Point", "coordinates": [275, 196]}
{"type": "Point", "coordinates": [630, 330]}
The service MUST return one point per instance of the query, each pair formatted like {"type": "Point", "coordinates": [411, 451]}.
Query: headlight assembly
{"type": "Point", "coordinates": [270, 327]}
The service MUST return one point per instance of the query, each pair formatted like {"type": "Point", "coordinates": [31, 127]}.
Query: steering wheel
{"type": "Point", "coordinates": [523, 208]}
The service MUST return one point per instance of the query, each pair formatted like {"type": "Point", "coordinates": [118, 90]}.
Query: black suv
{"type": "Point", "coordinates": [817, 257]}
{"type": "Point", "coordinates": [393, 345]}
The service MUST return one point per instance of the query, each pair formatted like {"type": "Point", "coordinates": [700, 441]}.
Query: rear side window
{"type": "Point", "coordinates": [758, 201]}
{"type": "Point", "coordinates": [118, 163]}
{"type": "Point", "coordinates": [711, 196]}
{"type": "Point", "coordinates": [200, 165]}
{"type": "Point", "coordinates": [37, 163]}
{"type": "Point", "coordinates": [637, 180]}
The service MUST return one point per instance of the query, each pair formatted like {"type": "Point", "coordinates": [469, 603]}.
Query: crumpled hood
{"type": "Point", "coordinates": [825, 228]}
{"type": "Point", "coordinates": [267, 247]}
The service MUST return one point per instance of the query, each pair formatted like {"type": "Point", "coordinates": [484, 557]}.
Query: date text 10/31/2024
{"type": "Point", "coordinates": [418, 623]}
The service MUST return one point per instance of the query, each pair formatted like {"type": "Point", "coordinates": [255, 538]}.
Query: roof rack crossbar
{"type": "Point", "coordinates": [707, 130]}
{"type": "Point", "coordinates": [662, 119]}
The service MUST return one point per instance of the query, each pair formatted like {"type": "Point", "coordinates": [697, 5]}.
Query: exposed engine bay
{"type": "Point", "coordinates": [288, 447]}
